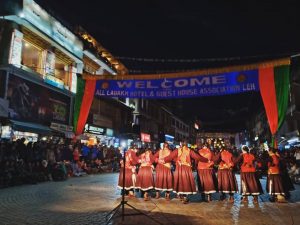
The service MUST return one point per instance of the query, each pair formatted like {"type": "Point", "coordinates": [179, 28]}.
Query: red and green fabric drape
{"type": "Point", "coordinates": [274, 89]}
{"type": "Point", "coordinates": [83, 101]}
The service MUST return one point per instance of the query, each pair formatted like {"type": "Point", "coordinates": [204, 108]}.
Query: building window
{"type": "Point", "coordinates": [62, 71]}
{"type": "Point", "coordinates": [32, 56]}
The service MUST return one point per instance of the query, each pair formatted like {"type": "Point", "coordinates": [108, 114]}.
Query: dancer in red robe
{"type": "Point", "coordinates": [250, 184]}
{"type": "Point", "coordinates": [130, 172]}
{"type": "Point", "coordinates": [227, 183]}
{"type": "Point", "coordinates": [184, 183]}
{"type": "Point", "coordinates": [274, 180]}
{"type": "Point", "coordinates": [144, 180]}
{"type": "Point", "coordinates": [207, 178]}
{"type": "Point", "coordinates": [164, 177]}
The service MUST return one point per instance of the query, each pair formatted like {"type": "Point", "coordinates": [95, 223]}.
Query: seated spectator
{"type": "Point", "coordinates": [294, 172]}
{"type": "Point", "coordinates": [59, 172]}
{"type": "Point", "coordinates": [96, 166]}
{"type": "Point", "coordinates": [77, 170]}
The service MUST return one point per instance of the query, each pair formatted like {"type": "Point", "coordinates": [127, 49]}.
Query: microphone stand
{"type": "Point", "coordinates": [123, 202]}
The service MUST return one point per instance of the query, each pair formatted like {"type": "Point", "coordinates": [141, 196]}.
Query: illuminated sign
{"type": "Point", "coordinates": [196, 126]}
{"type": "Point", "coordinates": [54, 81]}
{"type": "Point", "coordinates": [94, 130]}
{"type": "Point", "coordinates": [16, 48]}
{"type": "Point", "coordinates": [145, 137]}
{"type": "Point", "coordinates": [169, 138]}
{"type": "Point", "coordinates": [109, 132]}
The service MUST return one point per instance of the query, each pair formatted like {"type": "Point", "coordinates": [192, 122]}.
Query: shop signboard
{"type": "Point", "coordinates": [94, 130]}
{"type": "Point", "coordinates": [3, 107]}
{"type": "Point", "coordinates": [169, 138]}
{"type": "Point", "coordinates": [109, 132]}
{"type": "Point", "coordinates": [54, 81]}
{"type": "Point", "coordinates": [31, 102]}
{"type": "Point", "coordinates": [61, 127]}
{"type": "Point", "coordinates": [16, 48]}
{"type": "Point", "coordinates": [145, 137]}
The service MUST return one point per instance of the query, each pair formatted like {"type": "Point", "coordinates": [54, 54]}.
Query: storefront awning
{"type": "Point", "coordinates": [30, 127]}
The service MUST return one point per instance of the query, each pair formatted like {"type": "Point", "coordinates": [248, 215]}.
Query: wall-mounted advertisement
{"type": "Point", "coordinates": [73, 82]}
{"type": "Point", "coordinates": [50, 63]}
{"type": "Point", "coordinates": [15, 54]}
{"type": "Point", "coordinates": [145, 137]}
{"type": "Point", "coordinates": [35, 103]}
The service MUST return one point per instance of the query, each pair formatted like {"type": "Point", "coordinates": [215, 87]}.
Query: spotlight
{"type": "Point", "coordinates": [123, 144]}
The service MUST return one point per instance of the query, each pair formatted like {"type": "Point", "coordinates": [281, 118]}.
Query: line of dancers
{"type": "Point", "coordinates": [182, 181]}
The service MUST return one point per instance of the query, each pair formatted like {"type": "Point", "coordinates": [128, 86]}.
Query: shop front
{"type": "Point", "coordinates": [32, 106]}
{"type": "Point", "coordinates": [100, 135]}
{"type": "Point", "coordinates": [66, 130]}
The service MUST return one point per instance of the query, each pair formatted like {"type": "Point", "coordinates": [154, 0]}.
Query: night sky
{"type": "Point", "coordinates": [250, 31]}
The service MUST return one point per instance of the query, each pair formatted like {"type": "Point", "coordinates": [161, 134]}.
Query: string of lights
{"type": "Point", "coordinates": [196, 60]}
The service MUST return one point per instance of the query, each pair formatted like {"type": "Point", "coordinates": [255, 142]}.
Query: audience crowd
{"type": "Point", "coordinates": [42, 161]}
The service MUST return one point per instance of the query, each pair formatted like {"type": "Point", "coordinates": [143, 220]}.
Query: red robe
{"type": "Point", "coordinates": [207, 179]}
{"type": "Point", "coordinates": [130, 170]}
{"type": "Point", "coordinates": [184, 182]}
{"type": "Point", "coordinates": [164, 177]}
{"type": "Point", "coordinates": [144, 180]}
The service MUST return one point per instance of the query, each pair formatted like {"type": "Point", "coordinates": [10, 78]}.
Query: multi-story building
{"type": "Point", "coordinates": [40, 60]}
{"type": "Point", "coordinates": [153, 122]}
{"type": "Point", "coordinates": [182, 129]}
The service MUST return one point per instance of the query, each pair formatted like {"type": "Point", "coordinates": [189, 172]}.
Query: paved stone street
{"type": "Point", "coordinates": [86, 200]}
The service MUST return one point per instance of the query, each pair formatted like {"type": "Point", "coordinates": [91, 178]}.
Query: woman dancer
{"type": "Point", "coordinates": [250, 184]}
{"type": "Point", "coordinates": [164, 178]}
{"type": "Point", "coordinates": [207, 178]}
{"type": "Point", "coordinates": [226, 178]}
{"type": "Point", "coordinates": [274, 181]}
{"type": "Point", "coordinates": [130, 172]}
{"type": "Point", "coordinates": [184, 183]}
{"type": "Point", "coordinates": [144, 180]}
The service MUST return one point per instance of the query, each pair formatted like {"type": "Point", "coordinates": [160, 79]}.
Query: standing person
{"type": "Point", "coordinates": [130, 172]}
{"type": "Point", "coordinates": [274, 181]}
{"type": "Point", "coordinates": [164, 177]}
{"type": "Point", "coordinates": [144, 180]}
{"type": "Point", "coordinates": [227, 183]}
{"type": "Point", "coordinates": [184, 183]}
{"type": "Point", "coordinates": [250, 184]}
{"type": "Point", "coordinates": [297, 156]}
{"type": "Point", "coordinates": [207, 178]}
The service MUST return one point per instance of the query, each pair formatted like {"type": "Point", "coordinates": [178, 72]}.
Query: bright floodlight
{"type": "Point", "coordinates": [21, 14]}
{"type": "Point", "coordinates": [123, 144]}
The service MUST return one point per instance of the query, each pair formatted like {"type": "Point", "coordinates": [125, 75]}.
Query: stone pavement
{"type": "Point", "coordinates": [86, 200]}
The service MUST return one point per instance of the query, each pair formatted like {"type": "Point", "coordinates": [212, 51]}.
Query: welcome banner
{"type": "Point", "coordinates": [271, 78]}
{"type": "Point", "coordinates": [183, 87]}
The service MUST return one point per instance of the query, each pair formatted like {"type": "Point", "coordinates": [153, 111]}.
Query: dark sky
{"type": "Point", "coordinates": [177, 29]}
{"type": "Point", "coordinates": [182, 29]}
